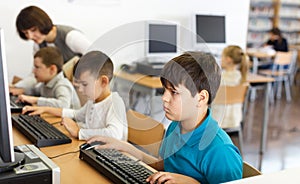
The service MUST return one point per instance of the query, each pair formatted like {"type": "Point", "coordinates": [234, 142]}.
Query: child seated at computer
{"type": "Point", "coordinates": [235, 69]}
{"type": "Point", "coordinates": [195, 149]}
{"type": "Point", "coordinates": [52, 89]}
{"type": "Point", "coordinates": [104, 113]}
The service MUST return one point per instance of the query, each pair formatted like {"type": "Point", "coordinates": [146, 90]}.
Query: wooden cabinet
{"type": "Point", "coordinates": [265, 14]}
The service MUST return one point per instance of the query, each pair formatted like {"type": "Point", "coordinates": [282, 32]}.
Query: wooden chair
{"type": "Point", "coordinates": [144, 132]}
{"type": "Point", "coordinates": [229, 95]}
{"type": "Point", "coordinates": [16, 79]}
{"type": "Point", "coordinates": [249, 170]}
{"type": "Point", "coordinates": [68, 67]}
{"type": "Point", "coordinates": [283, 71]}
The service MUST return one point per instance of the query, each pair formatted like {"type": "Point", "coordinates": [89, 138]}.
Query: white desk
{"type": "Point", "coordinates": [290, 176]}
{"type": "Point", "coordinates": [258, 54]}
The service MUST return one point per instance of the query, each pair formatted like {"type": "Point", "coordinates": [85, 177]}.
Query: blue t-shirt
{"type": "Point", "coordinates": [206, 154]}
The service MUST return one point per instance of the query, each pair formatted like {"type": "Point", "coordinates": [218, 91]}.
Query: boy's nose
{"type": "Point", "coordinates": [80, 88]}
{"type": "Point", "coordinates": [29, 35]}
{"type": "Point", "coordinates": [165, 97]}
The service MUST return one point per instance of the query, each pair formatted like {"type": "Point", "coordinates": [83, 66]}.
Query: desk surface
{"type": "Point", "coordinates": [255, 78]}
{"type": "Point", "coordinates": [154, 82]}
{"type": "Point", "coordinates": [137, 78]}
{"type": "Point", "coordinates": [285, 176]}
{"type": "Point", "coordinates": [72, 169]}
{"type": "Point", "coordinates": [259, 53]}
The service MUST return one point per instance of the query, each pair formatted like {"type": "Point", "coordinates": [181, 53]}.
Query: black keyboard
{"type": "Point", "coordinates": [16, 107]}
{"type": "Point", "coordinates": [39, 131]}
{"type": "Point", "coordinates": [116, 166]}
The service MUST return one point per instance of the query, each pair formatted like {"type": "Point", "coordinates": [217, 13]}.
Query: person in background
{"type": "Point", "coordinates": [235, 69]}
{"type": "Point", "coordinates": [104, 113]}
{"type": "Point", "coordinates": [52, 89]}
{"type": "Point", "coordinates": [277, 41]}
{"type": "Point", "coordinates": [34, 24]}
{"type": "Point", "coordinates": [195, 149]}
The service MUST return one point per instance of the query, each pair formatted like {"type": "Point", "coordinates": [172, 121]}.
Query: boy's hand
{"type": "Point", "coordinates": [28, 99]}
{"type": "Point", "coordinates": [33, 110]}
{"type": "Point", "coordinates": [166, 177]}
{"type": "Point", "coordinates": [109, 143]}
{"type": "Point", "coordinates": [71, 126]}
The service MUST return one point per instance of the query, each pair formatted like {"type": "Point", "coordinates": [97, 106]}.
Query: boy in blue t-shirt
{"type": "Point", "coordinates": [195, 149]}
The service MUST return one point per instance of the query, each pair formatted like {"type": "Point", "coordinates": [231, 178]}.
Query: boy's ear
{"type": "Point", "coordinates": [203, 97]}
{"type": "Point", "coordinates": [53, 69]}
{"type": "Point", "coordinates": [104, 80]}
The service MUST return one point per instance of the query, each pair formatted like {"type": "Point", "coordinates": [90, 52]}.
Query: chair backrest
{"type": "Point", "coordinates": [231, 94]}
{"type": "Point", "coordinates": [69, 66]}
{"type": "Point", "coordinates": [285, 58]}
{"type": "Point", "coordinates": [249, 170]}
{"type": "Point", "coordinates": [144, 132]}
{"type": "Point", "coordinates": [16, 79]}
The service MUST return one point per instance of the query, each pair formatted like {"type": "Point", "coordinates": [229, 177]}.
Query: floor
{"type": "Point", "coordinates": [283, 138]}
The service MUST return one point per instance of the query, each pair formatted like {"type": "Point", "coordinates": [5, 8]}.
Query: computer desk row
{"type": "Point", "coordinates": [72, 169]}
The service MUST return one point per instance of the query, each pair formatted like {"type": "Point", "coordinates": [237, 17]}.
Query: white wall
{"type": "Point", "coordinates": [97, 19]}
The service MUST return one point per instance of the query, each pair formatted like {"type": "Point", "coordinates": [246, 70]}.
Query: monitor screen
{"type": "Point", "coordinates": [161, 39]}
{"type": "Point", "coordinates": [210, 28]}
{"type": "Point", "coordinates": [6, 139]}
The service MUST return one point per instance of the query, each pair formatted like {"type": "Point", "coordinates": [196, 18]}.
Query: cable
{"type": "Point", "coordinates": [70, 152]}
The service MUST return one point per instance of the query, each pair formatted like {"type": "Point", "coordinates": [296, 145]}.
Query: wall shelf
{"type": "Point", "coordinates": [265, 14]}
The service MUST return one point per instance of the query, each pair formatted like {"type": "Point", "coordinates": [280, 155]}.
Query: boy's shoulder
{"type": "Point", "coordinates": [59, 80]}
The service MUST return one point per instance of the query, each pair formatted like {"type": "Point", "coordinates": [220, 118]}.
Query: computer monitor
{"type": "Point", "coordinates": [210, 31]}
{"type": "Point", "coordinates": [162, 40]}
{"type": "Point", "coordinates": [8, 159]}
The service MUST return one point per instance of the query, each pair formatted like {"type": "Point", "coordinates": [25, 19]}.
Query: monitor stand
{"type": "Point", "coordinates": [8, 166]}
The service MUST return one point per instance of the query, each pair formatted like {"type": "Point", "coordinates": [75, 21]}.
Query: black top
{"type": "Point", "coordinates": [279, 45]}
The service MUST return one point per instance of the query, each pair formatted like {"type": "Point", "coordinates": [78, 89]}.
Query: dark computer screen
{"type": "Point", "coordinates": [162, 38]}
{"type": "Point", "coordinates": [210, 28]}
{"type": "Point", "coordinates": [6, 141]}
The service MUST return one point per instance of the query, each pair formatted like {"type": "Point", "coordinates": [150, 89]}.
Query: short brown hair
{"type": "Point", "coordinates": [51, 56]}
{"type": "Point", "coordinates": [197, 71]}
{"type": "Point", "coordinates": [97, 63]}
{"type": "Point", "coordinates": [33, 16]}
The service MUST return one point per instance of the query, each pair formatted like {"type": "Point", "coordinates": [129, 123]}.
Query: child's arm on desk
{"type": "Point", "coordinates": [156, 163]}
{"type": "Point", "coordinates": [124, 146]}
{"type": "Point", "coordinates": [71, 126]}
{"type": "Point", "coordinates": [36, 110]}
{"type": "Point", "coordinates": [28, 99]}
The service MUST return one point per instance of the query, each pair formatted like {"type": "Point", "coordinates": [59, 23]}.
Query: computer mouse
{"type": "Point", "coordinates": [87, 146]}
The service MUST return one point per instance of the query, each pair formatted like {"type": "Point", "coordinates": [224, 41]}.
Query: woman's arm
{"type": "Point", "coordinates": [77, 41]}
